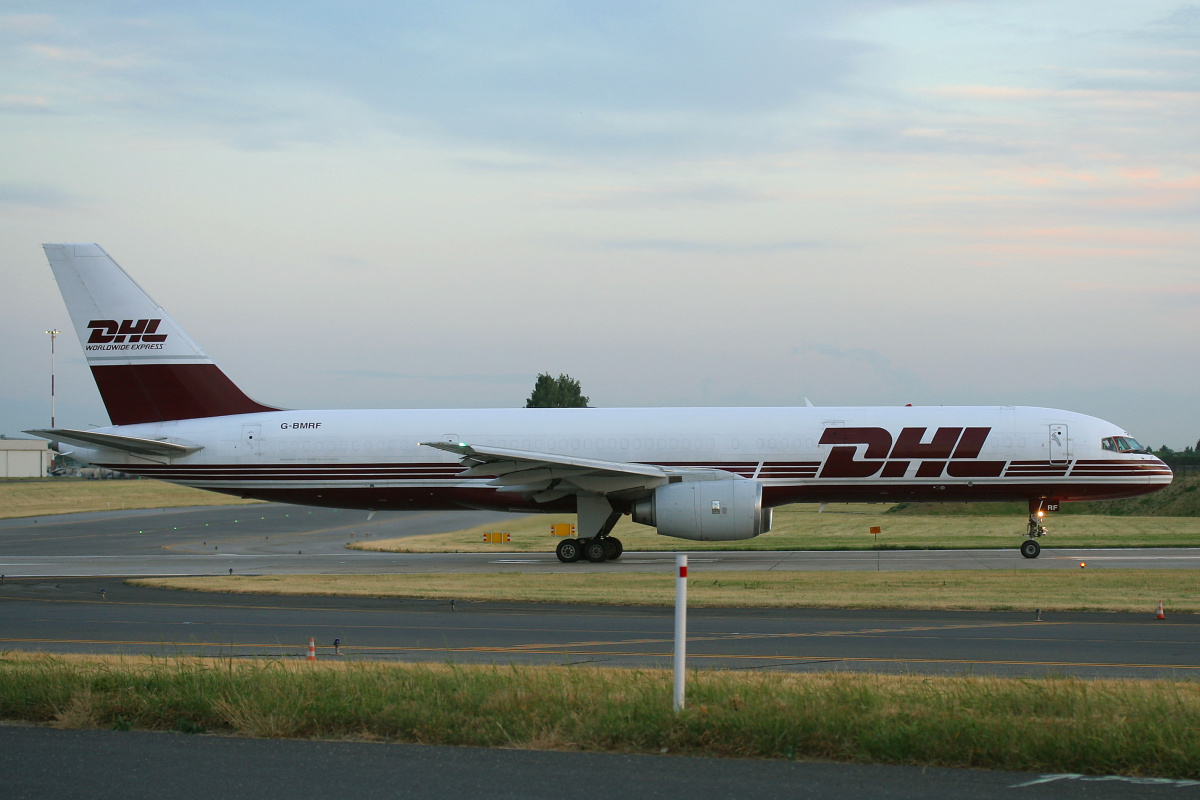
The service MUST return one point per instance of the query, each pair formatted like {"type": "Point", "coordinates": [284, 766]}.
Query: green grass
{"type": "Point", "coordinates": [842, 527]}
{"type": "Point", "coordinates": [1180, 499]}
{"type": "Point", "coordinates": [1143, 728]}
{"type": "Point", "coordinates": [1091, 589]}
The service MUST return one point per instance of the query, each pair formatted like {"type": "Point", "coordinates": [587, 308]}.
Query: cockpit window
{"type": "Point", "coordinates": [1122, 444]}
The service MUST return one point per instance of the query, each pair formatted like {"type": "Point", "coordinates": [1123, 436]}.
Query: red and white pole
{"type": "Point", "coordinates": [312, 650]}
{"type": "Point", "coordinates": [680, 628]}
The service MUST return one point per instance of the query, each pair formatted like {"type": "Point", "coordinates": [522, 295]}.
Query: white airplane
{"type": "Point", "coordinates": [707, 474]}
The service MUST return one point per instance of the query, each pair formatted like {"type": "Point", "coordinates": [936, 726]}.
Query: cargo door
{"type": "Point", "coordinates": [251, 445]}
{"type": "Point", "coordinates": [1059, 445]}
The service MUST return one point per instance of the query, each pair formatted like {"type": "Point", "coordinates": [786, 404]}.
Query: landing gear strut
{"type": "Point", "coordinates": [596, 517]}
{"type": "Point", "coordinates": [1030, 547]}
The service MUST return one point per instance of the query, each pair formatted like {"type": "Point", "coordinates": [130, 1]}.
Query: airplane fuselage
{"type": "Point", "coordinates": [374, 460]}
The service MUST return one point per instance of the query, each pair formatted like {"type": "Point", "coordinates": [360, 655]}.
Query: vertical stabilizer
{"type": "Point", "coordinates": [147, 368]}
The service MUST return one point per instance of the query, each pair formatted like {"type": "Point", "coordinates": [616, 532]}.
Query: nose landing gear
{"type": "Point", "coordinates": [1037, 512]}
{"type": "Point", "coordinates": [1030, 548]}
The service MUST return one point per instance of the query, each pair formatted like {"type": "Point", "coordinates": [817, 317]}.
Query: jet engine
{"type": "Point", "coordinates": [706, 511]}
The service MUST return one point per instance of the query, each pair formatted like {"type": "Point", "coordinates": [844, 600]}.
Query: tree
{"type": "Point", "coordinates": [563, 392]}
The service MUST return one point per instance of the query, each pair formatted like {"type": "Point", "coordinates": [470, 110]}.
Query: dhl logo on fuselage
{"type": "Point", "coordinates": [109, 331]}
{"type": "Point", "coordinates": [951, 451]}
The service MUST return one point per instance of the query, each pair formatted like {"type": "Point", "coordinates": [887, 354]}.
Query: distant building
{"type": "Point", "coordinates": [25, 458]}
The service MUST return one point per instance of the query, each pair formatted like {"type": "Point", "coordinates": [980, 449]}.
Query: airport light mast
{"type": "Point", "coordinates": [54, 332]}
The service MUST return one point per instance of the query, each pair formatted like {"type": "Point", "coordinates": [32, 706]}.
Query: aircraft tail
{"type": "Point", "coordinates": [146, 367]}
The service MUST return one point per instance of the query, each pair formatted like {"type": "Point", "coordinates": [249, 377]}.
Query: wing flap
{"type": "Point", "coordinates": [480, 459]}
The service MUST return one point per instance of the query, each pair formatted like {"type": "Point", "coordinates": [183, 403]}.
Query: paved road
{"type": "Point", "coordinates": [36, 763]}
{"type": "Point", "coordinates": [71, 615]}
{"type": "Point", "coordinates": [280, 539]}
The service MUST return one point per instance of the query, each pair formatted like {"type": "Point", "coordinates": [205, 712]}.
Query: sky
{"type": "Point", "coordinates": [411, 205]}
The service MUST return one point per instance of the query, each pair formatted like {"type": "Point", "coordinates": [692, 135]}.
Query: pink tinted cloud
{"type": "Point", "coordinates": [1110, 98]}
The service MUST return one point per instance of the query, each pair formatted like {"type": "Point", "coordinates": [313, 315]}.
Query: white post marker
{"type": "Point", "coordinates": [680, 627]}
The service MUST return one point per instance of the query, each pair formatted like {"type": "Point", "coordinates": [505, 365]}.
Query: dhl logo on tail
{"type": "Point", "coordinates": [109, 331]}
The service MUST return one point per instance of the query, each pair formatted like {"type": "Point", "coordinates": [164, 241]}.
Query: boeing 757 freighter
{"type": "Point", "coordinates": [706, 474]}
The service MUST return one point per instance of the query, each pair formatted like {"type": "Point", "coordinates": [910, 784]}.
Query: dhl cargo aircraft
{"type": "Point", "coordinates": [708, 474]}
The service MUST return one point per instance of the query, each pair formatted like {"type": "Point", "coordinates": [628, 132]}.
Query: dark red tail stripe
{"type": "Point", "coordinates": [163, 392]}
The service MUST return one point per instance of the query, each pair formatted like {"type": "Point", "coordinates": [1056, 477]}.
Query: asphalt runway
{"type": "Point", "coordinates": [97, 615]}
{"type": "Point", "coordinates": [274, 538]}
{"type": "Point", "coordinates": [63, 592]}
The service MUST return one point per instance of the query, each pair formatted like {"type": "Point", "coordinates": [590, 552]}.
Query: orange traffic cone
{"type": "Point", "coordinates": [1160, 614]}
{"type": "Point", "coordinates": [312, 649]}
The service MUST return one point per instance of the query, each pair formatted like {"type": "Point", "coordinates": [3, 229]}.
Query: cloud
{"type": "Point", "coordinates": [388, 375]}
{"type": "Point", "coordinates": [665, 195]}
{"type": "Point", "coordinates": [23, 195]}
{"type": "Point", "coordinates": [24, 104]}
{"type": "Point", "coordinates": [530, 76]}
{"type": "Point", "coordinates": [1163, 296]}
{"type": "Point", "coordinates": [871, 372]}
{"type": "Point", "coordinates": [1133, 100]}
{"type": "Point", "coordinates": [703, 246]}
{"type": "Point", "coordinates": [1185, 18]}
{"type": "Point", "coordinates": [24, 24]}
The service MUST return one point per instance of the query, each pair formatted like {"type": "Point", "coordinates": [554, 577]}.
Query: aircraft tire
{"type": "Point", "coordinates": [568, 551]}
{"type": "Point", "coordinates": [595, 550]}
{"type": "Point", "coordinates": [617, 548]}
{"type": "Point", "coordinates": [1030, 548]}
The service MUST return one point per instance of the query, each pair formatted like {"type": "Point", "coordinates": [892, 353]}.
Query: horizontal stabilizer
{"type": "Point", "coordinates": [126, 444]}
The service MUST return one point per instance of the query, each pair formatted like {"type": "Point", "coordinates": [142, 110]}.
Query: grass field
{"type": "Point", "coordinates": [1180, 499]}
{"type": "Point", "coordinates": [40, 497]}
{"type": "Point", "coordinates": [801, 527]}
{"type": "Point", "coordinates": [1137, 591]}
{"type": "Point", "coordinates": [1145, 728]}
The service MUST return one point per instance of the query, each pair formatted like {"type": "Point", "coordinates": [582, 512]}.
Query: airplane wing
{"type": "Point", "coordinates": [549, 476]}
{"type": "Point", "coordinates": [112, 441]}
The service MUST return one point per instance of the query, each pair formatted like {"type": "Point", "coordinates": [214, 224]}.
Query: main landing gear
{"type": "Point", "coordinates": [597, 518]}
{"type": "Point", "coordinates": [595, 549]}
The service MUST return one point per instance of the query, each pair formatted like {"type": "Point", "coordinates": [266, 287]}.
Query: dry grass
{"type": "Point", "coordinates": [1147, 728]}
{"type": "Point", "coordinates": [1133, 590]}
{"type": "Point", "coordinates": [842, 527]}
{"type": "Point", "coordinates": [35, 498]}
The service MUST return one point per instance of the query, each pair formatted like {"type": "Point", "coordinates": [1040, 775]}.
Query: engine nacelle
{"type": "Point", "coordinates": [706, 511]}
